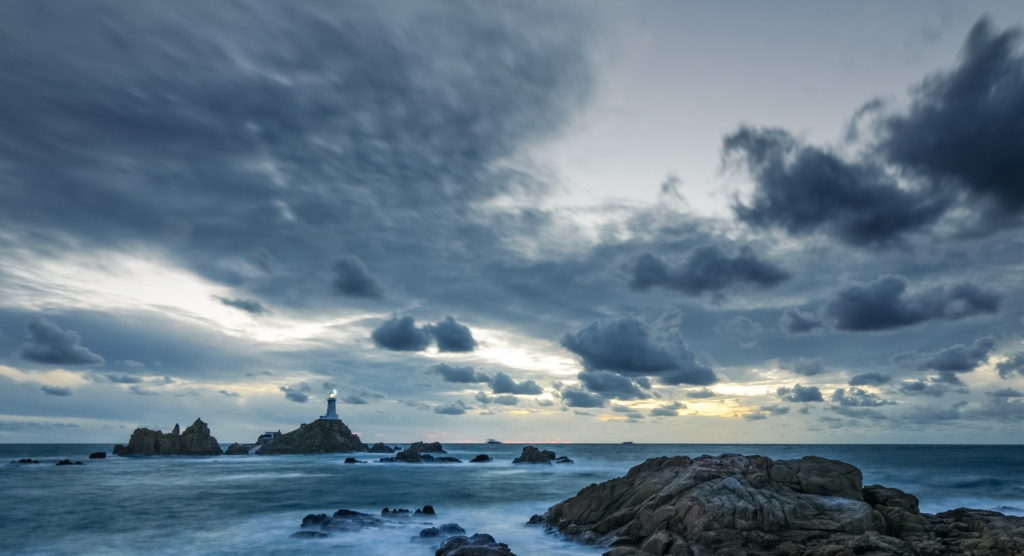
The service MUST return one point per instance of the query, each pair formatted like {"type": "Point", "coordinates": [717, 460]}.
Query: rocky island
{"type": "Point", "coordinates": [752, 505]}
{"type": "Point", "coordinates": [195, 441]}
{"type": "Point", "coordinates": [323, 436]}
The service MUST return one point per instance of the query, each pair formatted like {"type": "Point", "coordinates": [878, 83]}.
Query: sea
{"type": "Point", "coordinates": [253, 504]}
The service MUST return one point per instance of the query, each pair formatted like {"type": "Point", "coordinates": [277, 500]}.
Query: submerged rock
{"type": "Point", "coordinates": [195, 441]}
{"type": "Point", "coordinates": [480, 544]}
{"type": "Point", "coordinates": [734, 504]}
{"type": "Point", "coordinates": [323, 436]}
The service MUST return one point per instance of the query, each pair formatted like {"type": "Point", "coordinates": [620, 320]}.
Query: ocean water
{"type": "Point", "coordinates": [252, 504]}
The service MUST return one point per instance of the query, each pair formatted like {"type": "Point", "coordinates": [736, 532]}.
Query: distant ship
{"type": "Point", "coordinates": [493, 441]}
{"type": "Point", "coordinates": [628, 442]}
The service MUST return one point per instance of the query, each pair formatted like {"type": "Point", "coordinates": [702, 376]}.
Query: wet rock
{"type": "Point", "coordinates": [532, 454]}
{"type": "Point", "coordinates": [343, 521]}
{"type": "Point", "coordinates": [563, 459]}
{"type": "Point", "coordinates": [27, 461]}
{"type": "Point", "coordinates": [98, 455]}
{"type": "Point", "coordinates": [480, 544]}
{"type": "Point", "coordinates": [381, 448]}
{"type": "Point", "coordinates": [353, 460]}
{"type": "Point", "coordinates": [323, 436]}
{"type": "Point", "coordinates": [427, 510]}
{"type": "Point", "coordinates": [444, 531]}
{"type": "Point", "coordinates": [482, 458]}
{"type": "Point", "coordinates": [309, 535]}
{"type": "Point", "coordinates": [314, 521]}
{"type": "Point", "coordinates": [69, 462]}
{"type": "Point", "coordinates": [236, 449]}
{"type": "Point", "coordinates": [424, 448]}
{"type": "Point", "coordinates": [195, 441]}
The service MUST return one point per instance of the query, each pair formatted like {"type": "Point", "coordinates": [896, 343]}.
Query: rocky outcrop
{"type": "Point", "coordinates": [381, 448]}
{"type": "Point", "coordinates": [236, 449]}
{"type": "Point", "coordinates": [420, 452]}
{"type": "Point", "coordinates": [482, 458]}
{"type": "Point", "coordinates": [443, 532]}
{"type": "Point", "coordinates": [195, 441]}
{"type": "Point", "coordinates": [532, 454]}
{"type": "Point", "coordinates": [69, 462]}
{"type": "Point", "coordinates": [480, 544]}
{"type": "Point", "coordinates": [98, 455]}
{"type": "Point", "coordinates": [733, 504]}
{"type": "Point", "coordinates": [323, 436]}
{"type": "Point", "coordinates": [343, 521]}
{"type": "Point", "coordinates": [424, 448]}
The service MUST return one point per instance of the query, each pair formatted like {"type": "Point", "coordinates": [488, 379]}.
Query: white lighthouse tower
{"type": "Point", "coordinates": [332, 410]}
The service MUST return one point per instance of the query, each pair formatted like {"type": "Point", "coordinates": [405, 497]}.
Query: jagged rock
{"type": "Point", "coordinates": [533, 455]}
{"type": "Point", "coordinates": [420, 453]}
{"type": "Point", "coordinates": [482, 458]}
{"type": "Point", "coordinates": [236, 449]}
{"type": "Point", "coordinates": [343, 521]}
{"type": "Point", "coordinates": [98, 455]}
{"type": "Point", "coordinates": [195, 441]}
{"type": "Point", "coordinates": [381, 448]}
{"type": "Point", "coordinates": [427, 510]}
{"type": "Point", "coordinates": [309, 535]}
{"type": "Point", "coordinates": [480, 544]}
{"type": "Point", "coordinates": [353, 460]}
{"type": "Point", "coordinates": [27, 460]}
{"type": "Point", "coordinates": [563, 459]}
{"type": "Point", "coordinates": [322, 436]}
{"type": "Point", "coordinates": [423, 448]}
{"type": "Point", "coordinates": [444, 531]}
{"type": "Point", "coordinates": [733, 504]}
{"type": "Point", "coordinates": [69, 462]}
{"type": "Point", "coordinates": [401, 512]}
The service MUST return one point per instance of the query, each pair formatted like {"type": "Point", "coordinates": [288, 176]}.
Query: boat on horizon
{"type": "Point", "coordinates": [493, 441]}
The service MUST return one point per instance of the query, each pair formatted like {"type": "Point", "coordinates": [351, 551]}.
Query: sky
{"type": "Point", "coordinates": [660, 222]}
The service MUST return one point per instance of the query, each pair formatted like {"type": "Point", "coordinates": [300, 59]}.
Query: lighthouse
{"type": "Point", "coordinates": [332, 411]}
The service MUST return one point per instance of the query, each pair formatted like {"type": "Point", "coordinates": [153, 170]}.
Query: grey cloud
{"type": "Point", "coordinates": [451, 408]}
{"type": "Point", "coordinates": [505, 399]}
{"type": "Point", "coordinates": [611, 385]}
{"type": "Point", "coordinates": [775, 409]}
{"type": "Point", "coordinates": [625, 346]}
{"type": "Point", "coordinates": [803, 189]}
{"type": "Point", "coordinates": [708, 269]}
{"type": "Point", "coordinates": [122, 378]}
{"type": "Point", "coordinates": [228, 394]}
{"type": "Point", "coordinates": [503, 384]}
{"type": "Point", "coordinates": [141, 391]}
{"type": "Point", "coordinates": [55, 390]}
{"type": "Point", "coordinates": [963, 129]}
{"type": "Point", "coordinates": [668, 410]}
{"type": "Point", "coordinates": [462, 375]}
{"type": "Point", "coordinates": [858, 397]}
{"type": "Point", "coordinates": [804, 366]}
{"type": "Point", "coordinates": [296, 393]}
{"type": "Point", "coordinates": [353, 279]}
{"type": "Point", "coordinates": [935, 386]}
{"type": "Point", "coordinates": [928, 415]}
{"type": "Point", "coordinates": [1006, 393]}
{"type": "Point", "coordinates": [700, 394]}
{"type": "Point", "coordinates": [739, 326]}
{"type": "Point", "coordinates": [859, 412]}
{"type": "Point", "coordinates": [34, 425]}
{"type": "Point", "coordinates": [578, 398]}
{"type": "Point", "coordinates": [452, 336]}
{"type": "Point", "coordinates": [1013, 364]}
{"type": "Point", "coordinates": [958, 358]}
{"type": "Point", "coordinates": [354, 400]}
{"type": "Point", "coordinates": [794, 321]}
{"type": "Point", "coordinates": [884, 304]}
{"type": "Point", "coordinates": [869, 379]}
{"type": "Point", "coordinates": [401, 334]}
{"type": "Point", "coordinates": [800, 394]}
{"type": "Point", "coordinates": [47, 342]}
{"type": "Point", "coordinates": [248, 305]}
{"type": "Point", "coordinates": [756, 416]}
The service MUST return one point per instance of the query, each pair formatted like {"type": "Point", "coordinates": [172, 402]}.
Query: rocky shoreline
{"type": "Point", "coordinates": [751, 505]}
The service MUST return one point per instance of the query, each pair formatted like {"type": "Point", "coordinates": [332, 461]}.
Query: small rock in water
{"type": "Point", "coordinates": [480, 544]}
{"type": "Point", "coordinates": [563, 459]}
{"type": "Point", "coordinates": [482, 458]}
{"type": "Point", "coordinates": [353, 460]}
{"type": "Point", "coordinates": [98, 455]}
{"type": "Point", "coordinates": [309, 535]}
{"type": "Point", "coordinates": [533, 455]}
{"type": "Point", "coordinates": [68, 462]}
{"type": "Point", "coordinates": [27, 460]}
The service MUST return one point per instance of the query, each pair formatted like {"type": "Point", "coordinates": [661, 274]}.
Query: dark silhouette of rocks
{"type": "Point", "coordinates": [26, 461]}
{"type": "Point", "coordinates": [323, 436]}
{"type": "Point", "coordinates": [236, 449]}
{"type": "Point", "coordinates": [482, 458]}
{"type": "Point", "coordinates": [420, 452]}
{"type": "Point", "coordinates": [342, 521]}
{"type": "Point", "coordinates": [309, 535]}
{"type": "Point", "coordinates": [401, 512]}
{"type": "Point", "coordinates": [424, 448]}
{"type": "Point", "coordinates": [381, 448]}
{"type": "Point", "coordinates": [734, 504]}
{"type": "Point", "coordinates": [69, 462]}
{"type": "Point", "coordinates": [442, 532]}
{"type": "Point", "coordinates": [195, 441]}
{"type": "Point", "coordinates": [353, 460]}
{"type": "Point", "coordinates": [480, 544]}
{"type": "Point", "coordinates": [98, 455]}
{"type": "Point", "coordinates": [532, 454]}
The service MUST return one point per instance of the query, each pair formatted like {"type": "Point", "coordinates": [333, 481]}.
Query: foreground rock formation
{"type": "Point", "coordinates": [195, 441]}
{"type": "Point", "coordinates": [480, 544]}
{"type": "Point", "coordinates": [735, 505]}
{"type": "Point", "coordinates": [323, 436]}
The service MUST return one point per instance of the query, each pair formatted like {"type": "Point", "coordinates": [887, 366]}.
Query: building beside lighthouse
{"type": "Point", "coordinates": [332, 410]}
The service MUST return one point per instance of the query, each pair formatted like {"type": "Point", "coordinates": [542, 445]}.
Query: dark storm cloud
{"type": "Point", "coordinates": [803, 189]}
{"type": "Point", "coordinates": [708, 269]}
{"type": "Point", "coordinates": [296, 393]}
{"type": "Point", "coordinates": [352, 278]}
{"type": "Point", "coordinates": [1013, 364]}
{"type": "Point", "coordinates": [611, 385]}
{"type": "Point", "coordinates": [452, 336]}
{"type": "Point", "coordinates": [965, 127]}
{"type": "Point", "coordinates": [463, 375]}
{"type": "Point", "coordinates": [264, 136]}
{"type": "Point", "coordinates": [625, 346]}
{"type": "Point", "coordinates": [955, 359]}
{"type": "Point", "coordinates": [794, 321]}
{"type": "Point", "coordinates": [451, 408]}
{"type": "Point", "coordinates": [247, 305]}
{"type": "Point", "coordinates": [47, 343]}
{"type": "Point", "coordinates": [869, 379]}
{"type": "Point", "coordinates": [858, 397]}
{"type": "Point", "coordinates": [804, 366]}
{"type": "Point", "coordinates": [703, 393]}
{"type": "Point", "coordinates": [935, 386]}
{"type": "Point", "coordinates": [800, 394]}
{"type": "Point", "coordinates": [503, 384]}
{"type": "Point", "coordinates": [885, 304]}
{"type": "Point", "coordinates": [573, 397]}
{"type": "Point", "coordinates": [55, 390]}
{"type": "Point", "coordinates": [122, 378]}
{"type": "Point", "coordinates": [668, 410]}
{"type": "Point", "coordinates": [401, 334]}
{"type": "Point", "coordinates": [739, 326]}
{"type": "Point", "coordinates": [1005, 393]}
